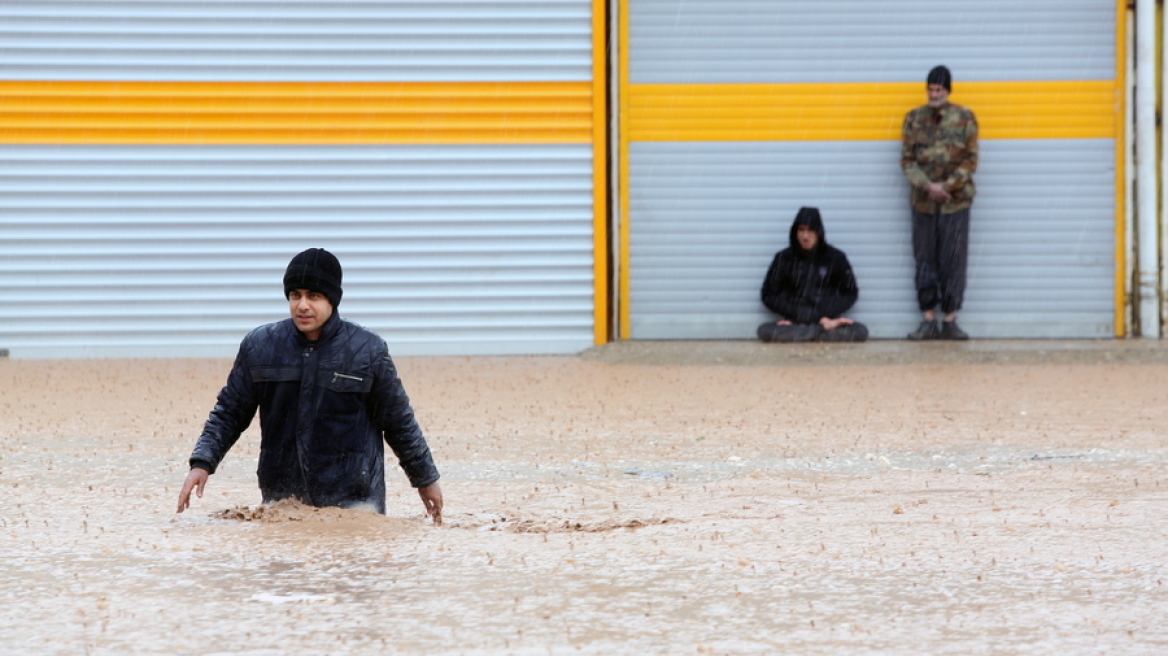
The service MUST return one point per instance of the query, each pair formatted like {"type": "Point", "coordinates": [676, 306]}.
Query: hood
{"type": "Point", "coordinates": [808, 216]}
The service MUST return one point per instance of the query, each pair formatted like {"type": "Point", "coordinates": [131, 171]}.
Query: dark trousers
{"type": "Point", "coordinates": [771, 332]}
{"type": "Point", "coordinates": [941, 249]}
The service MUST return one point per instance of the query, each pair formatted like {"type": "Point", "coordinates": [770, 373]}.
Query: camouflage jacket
{"type": "Point", "coordinates": [940, 145]}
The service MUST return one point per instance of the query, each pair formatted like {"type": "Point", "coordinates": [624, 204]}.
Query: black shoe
{"type": "Point", "coordinates": [927, 330]}
{"type": "Point", "coordinates": [950, 330]}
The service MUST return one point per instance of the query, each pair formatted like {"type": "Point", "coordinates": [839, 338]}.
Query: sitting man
{"type": "Point", "coordinates": [810, 285]}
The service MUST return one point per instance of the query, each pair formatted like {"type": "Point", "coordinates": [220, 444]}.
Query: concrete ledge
{"type": "Point", "coordinates": [880, 353]}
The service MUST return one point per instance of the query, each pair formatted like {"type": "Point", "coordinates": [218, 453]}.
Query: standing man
{"type": "Point", "coordinates": [939, 156]}
{"type": "Point", "coordinates": [328, 394]}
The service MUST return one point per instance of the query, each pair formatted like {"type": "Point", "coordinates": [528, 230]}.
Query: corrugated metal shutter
{"type": "Point", "coordinates": [174, 247]}
{"type": "Point", "coordinates": [143, 250]}
{"type": "Point", "coordinates": [867, 41]}
{"type": "Point", "coordinates": [706, 216]}
{"type": "Point", "coordinates": [709, 217]}
{"type": "Point", "coordinates": [224, 40]}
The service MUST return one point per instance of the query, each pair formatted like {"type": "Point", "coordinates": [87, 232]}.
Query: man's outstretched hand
{"type": "Point", "coordinates": [432, 499]}
{"type": "Point", "coordinates": [197, 479]}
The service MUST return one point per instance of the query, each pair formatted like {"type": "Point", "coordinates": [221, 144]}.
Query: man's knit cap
{"type": "Point", "coordinates": [316, 270]}
{"type": "Point", "coordinates": [941, 75]}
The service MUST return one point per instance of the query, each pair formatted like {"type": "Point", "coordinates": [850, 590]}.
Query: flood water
{"type": "Point", "coordinates": [606, 509]}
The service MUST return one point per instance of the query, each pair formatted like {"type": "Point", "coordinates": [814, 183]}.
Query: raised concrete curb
{"type": "Point", "coordinates": [880, 353]}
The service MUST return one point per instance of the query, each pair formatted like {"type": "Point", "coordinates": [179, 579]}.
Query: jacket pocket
{"type": "Point", "coordinates": [344, 383]}
{"type": "Point", "coordinates": [342, 402]}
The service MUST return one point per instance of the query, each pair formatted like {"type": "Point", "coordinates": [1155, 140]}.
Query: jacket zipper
{"type": "Point", "coordinates": [337, 374]}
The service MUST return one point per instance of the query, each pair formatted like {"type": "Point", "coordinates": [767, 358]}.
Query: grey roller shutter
{"type": "Point", "coordinates": [706, 217]}
{"type": "Point", "coordinates": [178, 249]}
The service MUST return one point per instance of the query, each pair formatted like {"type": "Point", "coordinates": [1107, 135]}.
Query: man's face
{"type": "Point", "coordinates": [310, 310]}
{"type": "Point", "coordinates": [807, 237]}
{"type": "Point", "coordinates": [938, 95]}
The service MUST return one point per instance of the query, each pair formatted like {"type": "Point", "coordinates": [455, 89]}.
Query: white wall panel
{"type": "Point", "coordinates": [706, 219]}
{"type": "Point", "coordinates": [179, 251]}
{"type": "Point", "coordinates": [278, 40]}
{"type": "Point", "coordinates": [775, 41]}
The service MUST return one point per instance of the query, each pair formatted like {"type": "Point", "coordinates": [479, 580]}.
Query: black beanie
{"type": "Point", "coordinates": [316, 270]}
{"type": "Point", "coordinates": [941, 75]}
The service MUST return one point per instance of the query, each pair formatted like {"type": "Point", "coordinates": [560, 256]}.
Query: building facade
{"type": "Point", "coordinates": [539, 176]}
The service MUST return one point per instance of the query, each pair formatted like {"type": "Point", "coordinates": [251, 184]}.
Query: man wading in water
{"type": "Point", "coordinates": [328, 394]}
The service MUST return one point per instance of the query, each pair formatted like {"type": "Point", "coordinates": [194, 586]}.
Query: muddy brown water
{"type": "Point", "coordinates": [659, 498]}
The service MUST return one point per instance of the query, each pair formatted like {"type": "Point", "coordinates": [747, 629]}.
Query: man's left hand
{"type": "Point", "coordinates": [432, 499]}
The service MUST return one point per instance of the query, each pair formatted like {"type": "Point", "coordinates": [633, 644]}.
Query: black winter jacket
{"type": "Point", "coordinates": [806, 286]}
{"type": "Point", "coordinates": [325, 407]}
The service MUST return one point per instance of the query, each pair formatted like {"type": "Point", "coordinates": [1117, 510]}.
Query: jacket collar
{"type": "Point", "coordinates": [327, 331]}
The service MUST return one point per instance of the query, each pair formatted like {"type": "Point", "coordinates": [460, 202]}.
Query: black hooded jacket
{"type": "Point", "coordinates": [324, 407]}
{"type": "Point", "coordinates": [806, 286]}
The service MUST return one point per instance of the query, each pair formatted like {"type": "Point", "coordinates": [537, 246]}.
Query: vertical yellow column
{"type": "Point", "coordinates": [599, 172]}
{"type": "Point", "coordinates": [623, 167]}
